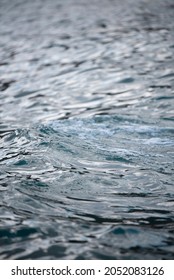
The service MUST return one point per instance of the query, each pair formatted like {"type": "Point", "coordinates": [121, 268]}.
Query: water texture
{"type": "Point", "coordinates": [86, 129]}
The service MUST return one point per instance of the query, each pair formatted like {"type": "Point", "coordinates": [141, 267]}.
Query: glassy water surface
{"type": "Point", "coordinates": [86, 129]}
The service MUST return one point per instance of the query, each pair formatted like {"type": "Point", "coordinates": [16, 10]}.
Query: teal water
{"type": "Point", "coordinates": [86, 130]}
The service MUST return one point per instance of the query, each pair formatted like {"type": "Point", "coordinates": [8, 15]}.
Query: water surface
{"type": "Point", "coordinates": [86, 129]}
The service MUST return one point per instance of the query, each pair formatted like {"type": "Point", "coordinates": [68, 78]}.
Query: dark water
{"type": "Point", "coordinates": [86, 129]}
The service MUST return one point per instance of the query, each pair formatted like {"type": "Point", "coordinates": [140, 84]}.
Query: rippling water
{"type": "Point", "coordinates": [86, 129]}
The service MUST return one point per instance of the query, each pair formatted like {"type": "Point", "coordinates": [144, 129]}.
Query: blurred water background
{"type": "Point", "coordinates": [86, 129]}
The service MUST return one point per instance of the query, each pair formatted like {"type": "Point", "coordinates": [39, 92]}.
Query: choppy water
{"type": "Point", "coordinates": [86, 129]}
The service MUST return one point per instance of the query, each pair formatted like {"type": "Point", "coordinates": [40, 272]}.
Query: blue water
{"type": "Point", "coordinates": [86, 129]}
